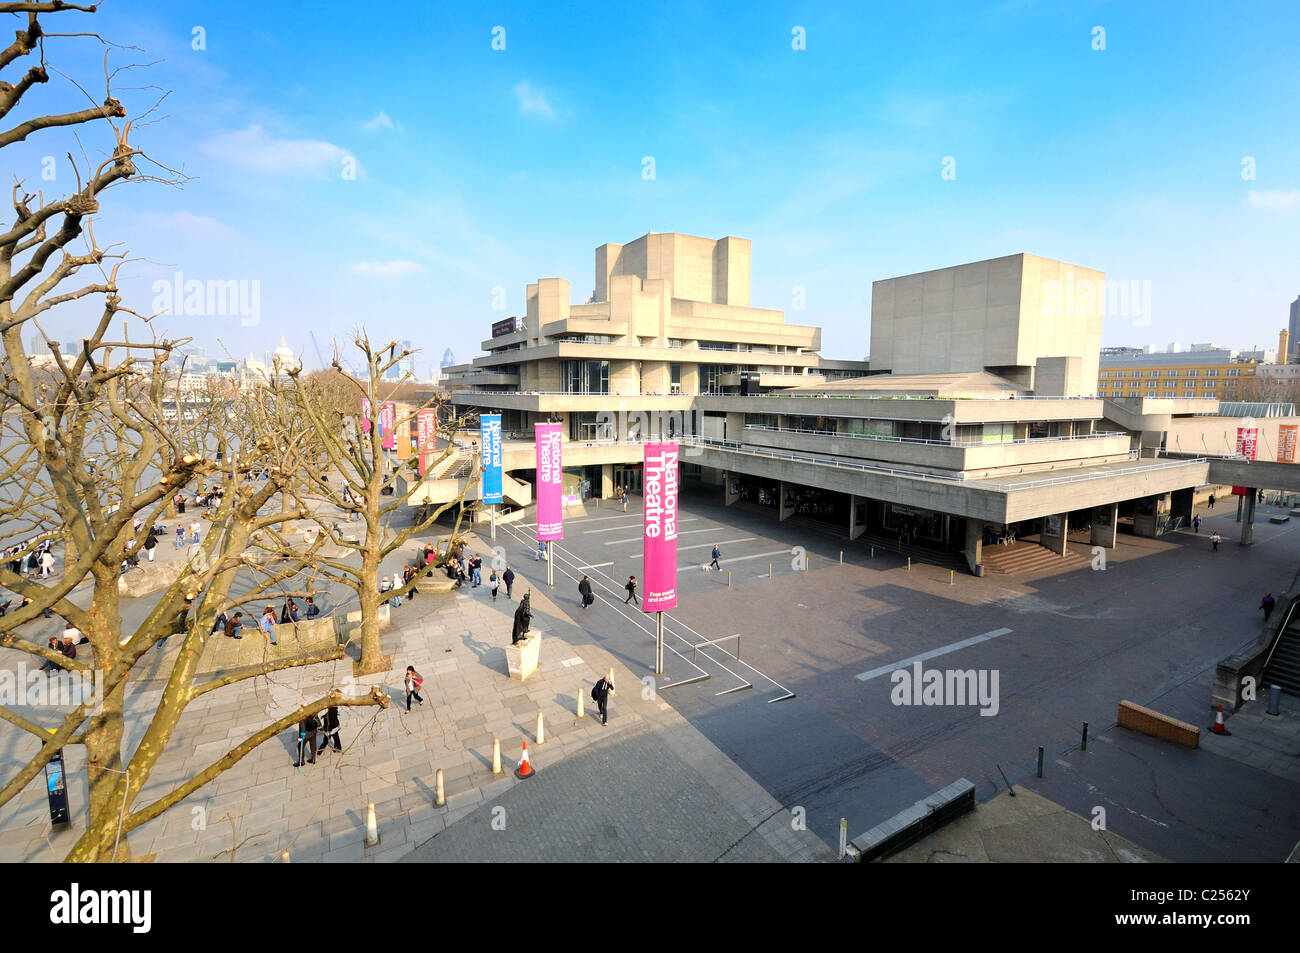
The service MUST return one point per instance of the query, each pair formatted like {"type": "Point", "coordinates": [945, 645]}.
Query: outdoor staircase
{"type": "Point", "coordinates": [919, 554]}
{"type": "Point", "coordinates": [1022, 557]}
{"type": "Point", "coordinates": [1284, 666]}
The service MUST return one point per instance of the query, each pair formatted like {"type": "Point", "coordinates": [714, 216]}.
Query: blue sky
{"type": "Point", "coordinates": [480, 169]}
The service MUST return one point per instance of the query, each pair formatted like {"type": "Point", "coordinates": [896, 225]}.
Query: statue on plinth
{"type": "Point", "coordinates": [523, 618]}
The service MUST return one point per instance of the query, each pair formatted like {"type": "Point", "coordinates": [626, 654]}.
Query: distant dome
{"type": "Point", "coordinates": [285, 356]}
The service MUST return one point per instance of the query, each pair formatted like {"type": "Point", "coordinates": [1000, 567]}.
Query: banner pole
{"type": "Point", "coordinates": [659, 643]}
{"type": "Point", "coordinates": [493, 533]}
{"type": "Point", "coordinates": [550, 567]}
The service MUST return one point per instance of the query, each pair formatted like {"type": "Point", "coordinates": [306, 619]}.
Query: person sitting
{"type": "Point", "coordinates": [51, 665]}
{"type": "Point", "coordinates": [220, 624]}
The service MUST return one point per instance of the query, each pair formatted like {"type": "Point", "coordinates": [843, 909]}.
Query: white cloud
{"type": "Point", "coordinates": [195, 226]}
{"type": "Point", "coordinates": [381, 121]}
{"type": "Point", "coordinates": [1275, 199]}
{"type": "Point", "coordinates": [386, 269]}
{"type": "Point", "coordinates": [252, 148]}
{"type": "Point", "coordinates": [532, 101]}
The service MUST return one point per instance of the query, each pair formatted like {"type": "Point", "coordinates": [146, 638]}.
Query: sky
{"type": "Point", "coordinates": [386, 167]}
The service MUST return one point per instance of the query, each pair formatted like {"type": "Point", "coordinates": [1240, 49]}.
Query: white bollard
{"type": "Point", "coordinates": [372, 827]}
{"type": "Point", "coordinates": [581, 712]}
{"type": "Point", "coordinates": [284, 858]}
{"type": "Point", "coordinates": [439, 792]}
{"type": "Point", "coordinates": [541, 730]}
{"type": "Point", "coordinates": [496, 755]}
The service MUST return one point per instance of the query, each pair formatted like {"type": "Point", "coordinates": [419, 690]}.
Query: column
{"type": "Point", "coordinates": [855, 528]}
{"type": "Point", "coordinates": [1105, 520]}
{"type": "Point", "coordinates": [1248, 523]}
{"type": "Point", "coordinates": [975, 545]}
{"type": "Point", "coordinates": [730, 488]}
{"type": "Point", "coordinates": [1054, 530]}
{"type": "Point", "coordinates": [607, 481]}
{"type": "Point", "coordinates": [782, 511]}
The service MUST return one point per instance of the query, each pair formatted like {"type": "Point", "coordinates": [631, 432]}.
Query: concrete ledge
{"type": "Point", "coordinates": [353, 621]}
{"type": "Point", "coordinates": [1279, 519]}
{"type": "Point", "coordinates": [522, 659]}
{"type": "Point", "coordinates": [149, 577]}
{"type": "Point", "coordinates": [910, 825]}
{"type": "Point", "coordinates": [1156, 725]}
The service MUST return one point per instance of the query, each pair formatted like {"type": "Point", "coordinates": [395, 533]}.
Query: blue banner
{"type": "Point", "coordinates": [490, 442]}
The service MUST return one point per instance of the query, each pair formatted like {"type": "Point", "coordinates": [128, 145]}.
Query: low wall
{"type": "Point", "coordinates": [907, 827]}
{"type": "Point", "coordinates": [1148, 722]}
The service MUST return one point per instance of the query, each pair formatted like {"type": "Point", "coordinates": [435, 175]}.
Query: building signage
{"type": "Point", "coordinates": [506, 326]}
{"type": "Point", "coordinates": [1286, 439]}
{"type": "Point", "coordinates": [426, 435]}
{"type": "Point", "coordinates": [490, 440]}
{"type": "Point", "coordinates": [550, 480]}
{"type": "Point", "coordinates": [388, 424]}
{"type": "Point", "coordinates": [659, 554]}
{"type": "Point", "coordinates": [1247, 438]}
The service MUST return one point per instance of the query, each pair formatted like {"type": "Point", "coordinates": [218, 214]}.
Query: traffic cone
{"type": "Point", "coordinates": [525, 770]}
{"type": "Point", "coordinates": [1218, 727]}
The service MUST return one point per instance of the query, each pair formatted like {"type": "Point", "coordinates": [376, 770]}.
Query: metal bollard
{"type": "Point", "coordinates": [950, 577]}
{"type": "Point", "coordinates": [581, 711]}
{"type": "Point", "coordinates": [909, 563]}
{"type": "Point", "coordinates": [844, 836]}
{"type": "Point", "coordinates": [439, 792]}
{"type": "Point", "coordinates": [1274, 699]}
{"type": "Point", "coordinates": [541, 730]}
{"type": "Point", "coordinates": [728, 578]}
{"type": "Point", "coordinates": [496, 755]}
{"type": "Point", "coordinates": [841, 557]}
{"type": "Point", "coordinates": [769, 570]}
{"type": "Point", "coordinates": [1084, 746]}
{"type": "Point", "coordinates": [1040, 761]}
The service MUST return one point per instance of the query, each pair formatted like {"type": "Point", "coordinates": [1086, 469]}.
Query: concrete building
{"type": "Point", "coordinates": [977, 421]}
{"type": "Point", "coordinates": [1293, 329]}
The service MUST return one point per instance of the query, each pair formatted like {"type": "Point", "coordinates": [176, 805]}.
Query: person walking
{"type": "Point", "coordinates": [194, 531]}
{"type": "Point", "coordinates": [307, 729]}
{"type": "Point", "coordinates": [180, 536]}
{"type": "Point", "coordinates": [717, 554]}
{"type": "Point", "coordinates": [413, 682]}
{"type": "Point", "coordinates": [493, 581]}
{"type": "Point", "coordinates": [1267, 604]}
{"type": "Point", "coordinates": [1196, 523]}
{"type": "Point", "coordinates": [47, 563]}
{"type": "Point", "coordinates": [150, 544]}
{"type": "Point", "coordinates": [1211, 501]}
{"type": "Point", "coordinates": [1214, 542]}
{"type": "Point", "coordinates": [541, 549]}
{"type": "Point", "coordinates": [600, 693]}
{"type": "Point", "coordinates": [330, 729]}
{"type": "Point", "coordinates": [625, 501]}
{"type": "Point", "coordinates": [234, 624]}
{"type": "Point", "coordinates": [508, 577]}
{"type": "Point", "coordinates": [584, 591]}
{"type": "Point", "coordinates": [268, 623]}
{"type": "Point", "coordinates": [631, 591]}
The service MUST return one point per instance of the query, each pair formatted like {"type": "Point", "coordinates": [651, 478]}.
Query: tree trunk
{"type": "Point", "coordinates": [372, 658]}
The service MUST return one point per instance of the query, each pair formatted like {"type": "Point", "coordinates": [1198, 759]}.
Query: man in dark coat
{"type": "Point", "coordinates": [1267, 604]}
{"type": "Point", "coordinates": [508, 577]}
{"type": "Point", "coordinates": [601, 692]}
{"type": "Point", "coordinates": [307, 729]}
{"type": "Point", "coordinates": [584, 590]}
{"type": "Point", "coordinates": [523, 619]}
{"type": "Point", "coordinates": [330, 726]}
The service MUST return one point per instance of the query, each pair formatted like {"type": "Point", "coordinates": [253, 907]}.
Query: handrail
{"type": "Point", "coordinates": [940, 443]}
{"type": "Point", "coordinates": [1281, 631]}
{"type": "Point", "coordinates": [807, 396]}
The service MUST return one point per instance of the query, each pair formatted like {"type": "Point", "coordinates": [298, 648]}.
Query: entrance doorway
{"type": "Point", "coordinates": [628, 477]}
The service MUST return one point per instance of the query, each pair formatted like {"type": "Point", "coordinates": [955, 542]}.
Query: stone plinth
{"type": "Point", "coordinates": [522, 659]}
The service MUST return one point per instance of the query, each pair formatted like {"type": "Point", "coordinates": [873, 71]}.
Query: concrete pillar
{"type": "Point", "coordinates": [975, 545]}
{"type": "Point", "coordinates": [1055, 540]}
{"type": "Point", "coordinates": [607, 481]}
{"type": "Point", "coordinates": [1248, 524]}
{"type": "Point", "coordinates": [1105, 521]}
{"type": "Point", "coordinates": [782, 511]}
{"type": "Point", "coordinates": [856, 528]}
{"type": "Point", "coordinates": [1240, 501]}
{"type": "Point", "coordinates": [730, 488]}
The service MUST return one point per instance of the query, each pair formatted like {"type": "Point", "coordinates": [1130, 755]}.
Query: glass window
{"type": "Point", "coordinates": [1193, 373]}
{"type": "Point", "coordinates": [1172, 373]}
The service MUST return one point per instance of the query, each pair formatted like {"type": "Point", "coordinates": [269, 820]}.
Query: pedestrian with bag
{"type": "Point", "coordinates": [508, 577]}
{"type": "Point", "coordinates": [413, 682]}
{"type": "Point", "coordinates": [601, 692]}
{"type": "Point", "coordinates": [1196, 523]}
{"type": "Point", "coordinates": [1214, 542]}
{"type": "Point", "coordinates": [584, 591]}
{"type": "Point", "coordinates": [493, 582]}
{"type": "Point", "coordinates": [330, 729]}
{"type": "Point", "coordinates": [717, 554]}
{"type": "Point", "coordinates": [631, 591]}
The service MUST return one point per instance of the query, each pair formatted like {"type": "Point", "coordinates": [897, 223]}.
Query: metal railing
{"type": "Point", "coordinates": [941, 443]}
{"type": "Point", "coordinates": [783, 396]}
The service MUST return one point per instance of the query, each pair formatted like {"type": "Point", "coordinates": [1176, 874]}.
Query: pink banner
{"type": "Point", "coordinates": [365, 415]}
{"type": "Point", "coordinates": [1247, 438]}
{"type": "Point", "coordinates": [659, 558]}
{"type": "Point", "coordinates": [426, 433]}
{"type": "Point", "coordinates": [388, 424]}
{"type": "Point", "coordinates": [550, 482]}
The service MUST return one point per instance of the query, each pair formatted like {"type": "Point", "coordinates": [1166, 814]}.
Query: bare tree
{"type": "Point", "coordinates": [377, 490]}
{"type": "Point", "coordinates": [94, 459]}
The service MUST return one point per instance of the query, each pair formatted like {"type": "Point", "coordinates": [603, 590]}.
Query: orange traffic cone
{"type": "Point", "coordinates": [525, 770]}
{"type": "Point", "coordinates": [1218, 727]}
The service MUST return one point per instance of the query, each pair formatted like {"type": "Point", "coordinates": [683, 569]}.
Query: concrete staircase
{"type": "Point", "coordinates": [919, 554]}
{"type": "Point", "coordinates": [1284, 665]}
{"type": "Point", "coordinates": [1020, 557]}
